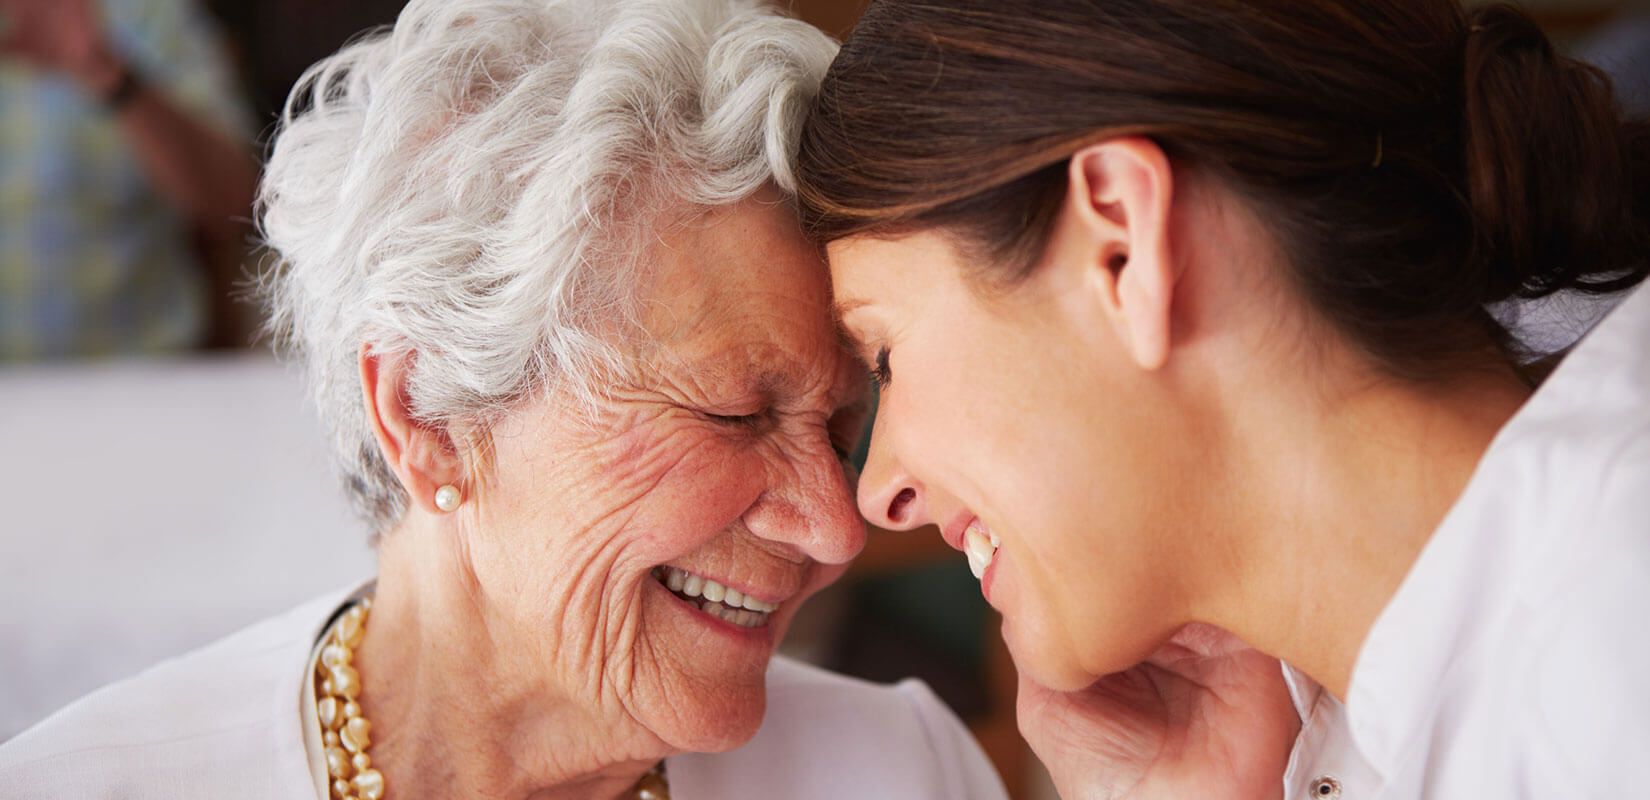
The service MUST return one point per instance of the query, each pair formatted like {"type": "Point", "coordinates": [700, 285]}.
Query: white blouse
{"type": "Point", "coordinates": [1514, 660]}
{"type": "Point", "coordinates": [227, 721]}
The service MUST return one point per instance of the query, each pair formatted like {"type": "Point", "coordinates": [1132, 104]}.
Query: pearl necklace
{"type": "Point", "coordinates": [345, 731]}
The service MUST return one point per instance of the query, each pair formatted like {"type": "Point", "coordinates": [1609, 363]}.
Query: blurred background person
{"type": "Point", "coordinates": [126, 179]}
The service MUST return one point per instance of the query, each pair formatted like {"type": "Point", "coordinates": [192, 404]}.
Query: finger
{"type": "Point", "coordinates": [1028, 697]}
{"type": "Point", "coordinates": [1033, 704]}
{"type": "Point", "coordinates": [1198, 640]}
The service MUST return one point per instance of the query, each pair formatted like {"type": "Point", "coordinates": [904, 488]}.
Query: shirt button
{"type": "Point", "coordinates": [1325, 787]}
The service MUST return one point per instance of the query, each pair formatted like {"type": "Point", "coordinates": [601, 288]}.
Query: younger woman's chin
{"type": "Point", "coordinates": [1041, 663]}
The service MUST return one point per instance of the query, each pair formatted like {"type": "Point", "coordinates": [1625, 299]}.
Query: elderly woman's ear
{"type": "Point", "coordinates": [421, 455]}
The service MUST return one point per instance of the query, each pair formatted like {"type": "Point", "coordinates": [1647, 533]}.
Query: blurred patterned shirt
{"type": "Point", "coordinates": [93, 261]}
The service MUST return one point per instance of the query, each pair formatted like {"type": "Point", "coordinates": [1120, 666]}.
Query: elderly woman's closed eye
{"type": "Point", "coordinates": [541, 263]}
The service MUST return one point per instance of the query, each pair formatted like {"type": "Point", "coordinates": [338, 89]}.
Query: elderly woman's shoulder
{"type": "Point", "coordinates": [828, 736]}
{"type": "Point", "coordinates": [221, 718]}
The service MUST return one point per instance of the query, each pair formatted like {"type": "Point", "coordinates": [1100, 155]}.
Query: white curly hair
{"type": "Point", "coordinates": [472, 188]}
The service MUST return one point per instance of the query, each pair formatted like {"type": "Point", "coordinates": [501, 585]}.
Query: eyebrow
{"type": "Point", "coordinates": [844, 307]}
{"type": "Point", "coordinates": [844, 337]}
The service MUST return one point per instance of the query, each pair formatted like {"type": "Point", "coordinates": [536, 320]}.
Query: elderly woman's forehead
{"type": "Point", "coordinates": [746, 264]}
{"type": "Point", "coordinates": [753, 359]}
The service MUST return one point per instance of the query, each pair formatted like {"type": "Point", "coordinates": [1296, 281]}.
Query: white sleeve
{"type": "Point", "coordinates": [968, 773]}
{"type": "Point", "coordinates": [1589, 706]}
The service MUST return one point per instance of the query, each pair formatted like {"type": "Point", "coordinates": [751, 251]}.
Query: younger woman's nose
{"type": "Point", "coordinates": [888, 496]}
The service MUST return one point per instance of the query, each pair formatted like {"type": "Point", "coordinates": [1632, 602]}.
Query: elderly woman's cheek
{"type": "Point", "coordinates": [682, 485]}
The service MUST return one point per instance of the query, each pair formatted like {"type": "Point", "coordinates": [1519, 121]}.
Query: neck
{"type": "Point", "coordinates": [1343, 483]}
{"type": "Point", "coordinates": [451, 716]}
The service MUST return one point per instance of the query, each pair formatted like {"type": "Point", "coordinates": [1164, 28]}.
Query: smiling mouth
{"type": "Point", "coordinates": [712, 598]}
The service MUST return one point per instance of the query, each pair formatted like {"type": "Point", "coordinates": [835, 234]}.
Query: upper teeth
{"type": "Point", "coordinates": [980, 545]}
{"type": "Point", "coordinates": [696, 586]}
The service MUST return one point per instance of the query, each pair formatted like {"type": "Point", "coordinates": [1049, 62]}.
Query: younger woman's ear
{"type": "Point", "coordinates": [421, 455]}
{"type": "Point", "coordinates": [1115, 230]}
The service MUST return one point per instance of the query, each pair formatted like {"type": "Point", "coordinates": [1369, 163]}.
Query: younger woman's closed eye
{"type": "Point", "coordinates": [881, 375]}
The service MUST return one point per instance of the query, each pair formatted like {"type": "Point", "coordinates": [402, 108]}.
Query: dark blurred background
{"type": "Point", "coordinates": [125, 246]}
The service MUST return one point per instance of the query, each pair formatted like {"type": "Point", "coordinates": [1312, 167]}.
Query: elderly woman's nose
{"type": "Point", "coordinates": [810, 506]}
{"type": "Point", "coordinates": [888, 496]}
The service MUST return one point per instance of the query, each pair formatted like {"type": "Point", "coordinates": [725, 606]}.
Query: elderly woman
{"type": "Point", "coordinates": [541, 262]}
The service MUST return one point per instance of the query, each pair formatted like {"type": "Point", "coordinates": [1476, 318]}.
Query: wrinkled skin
{"type": "Point", "coordinates": [718, 453]}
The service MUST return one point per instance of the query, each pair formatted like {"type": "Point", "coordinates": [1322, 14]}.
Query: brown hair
{"type": "Point", "coordinates": [1414, 161]}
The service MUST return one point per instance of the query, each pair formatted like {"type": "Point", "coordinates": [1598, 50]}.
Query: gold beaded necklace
{"type": "Point", "coordinates": [345, 732]}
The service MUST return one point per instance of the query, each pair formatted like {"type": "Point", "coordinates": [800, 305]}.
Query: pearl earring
{"type": "Point", "coordinates": [447, 499]}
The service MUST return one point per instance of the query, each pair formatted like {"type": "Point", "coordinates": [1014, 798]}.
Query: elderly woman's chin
{"type": "Point", "coordinates": [707, 676]}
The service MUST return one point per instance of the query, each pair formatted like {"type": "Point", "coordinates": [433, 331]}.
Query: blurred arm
{"type": "Point", "coordinates": [204, 174]}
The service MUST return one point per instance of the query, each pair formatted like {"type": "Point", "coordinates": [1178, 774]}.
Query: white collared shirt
{"type": "Point", "coordinates": [1514, 660]}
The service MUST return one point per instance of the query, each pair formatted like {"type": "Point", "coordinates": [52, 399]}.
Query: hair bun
{"type": "Point", "coordinates": [1555, 177]}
